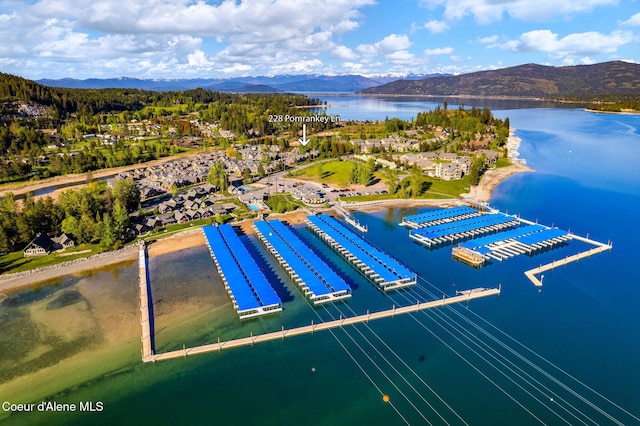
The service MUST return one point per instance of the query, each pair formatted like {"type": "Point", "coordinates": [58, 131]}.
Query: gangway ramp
{"type": "Point", "coordinates": [386, 272]}
{"type": "Point", "coordinates": [250, 292]}
{"type": "Point", "coordinates": [317, 281]}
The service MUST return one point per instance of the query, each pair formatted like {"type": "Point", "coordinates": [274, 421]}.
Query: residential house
{"type": "Point", "coordinates": [41, 245]}
{"type": "Point", "coordinates": [62, 242]}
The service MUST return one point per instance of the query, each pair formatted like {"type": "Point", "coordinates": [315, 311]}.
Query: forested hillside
{"type": "Point", "coordinates": [609, 81]}
{"type": "Point", "coordinates": [49, 131]}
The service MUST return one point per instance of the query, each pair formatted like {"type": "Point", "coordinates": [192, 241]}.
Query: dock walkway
{"type": "Point", "coordinates": [600, 247]}
{"type": "Point", "coordinates": [145, 309]}
{"type": "Point", "coordinates": [312, 328]}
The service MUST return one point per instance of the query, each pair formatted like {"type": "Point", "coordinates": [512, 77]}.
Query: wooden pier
{"type": "Point", "coordinates": [599, 248]}
{"type": "Point", "coordinates": [219, 346]}
{"type": "Point", "coordinates": [145, 309]}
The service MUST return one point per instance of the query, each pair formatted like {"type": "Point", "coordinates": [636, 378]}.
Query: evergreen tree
{"type": "Point", "coordinates": [120, 219]}
{"type": "Point", "coordinates": [392, 181]}
{"type": "Point", "coordinates": [108, 235]}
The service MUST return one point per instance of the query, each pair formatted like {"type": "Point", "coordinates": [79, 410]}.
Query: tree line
{"type": "Point", "coordinates": [89, 215]}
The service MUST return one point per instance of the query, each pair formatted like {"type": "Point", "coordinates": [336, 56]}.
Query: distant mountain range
{"type": "Point", "coordinates": [275, 84]}
{"type": "Point", "coordinates": [529, 80]}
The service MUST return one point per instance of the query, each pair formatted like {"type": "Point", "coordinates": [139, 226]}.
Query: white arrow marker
{"type": "Point", "coordinates": [304, 141]}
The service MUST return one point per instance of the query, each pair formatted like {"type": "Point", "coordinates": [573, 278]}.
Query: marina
{"type": "Point", "coordinates": [508, 236]}
{"type": "Point", "coordinates": [315, 279]}
{"type": "Point", "coordinates": [380, 268]}
{"type": "Point", "coordinates": [250, 292]}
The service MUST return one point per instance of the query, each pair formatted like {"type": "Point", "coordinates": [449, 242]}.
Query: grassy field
{"type": "Point", "coordinates": [334, 172]}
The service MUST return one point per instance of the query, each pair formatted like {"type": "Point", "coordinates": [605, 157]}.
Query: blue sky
{"type": "Point", "coordinates": [222, 39]}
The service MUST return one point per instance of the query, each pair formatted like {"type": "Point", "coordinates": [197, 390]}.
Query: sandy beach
{"type": "Point", "coordinates": [491, 179]}
{"type": "Point", "coordinates": [181, 241]}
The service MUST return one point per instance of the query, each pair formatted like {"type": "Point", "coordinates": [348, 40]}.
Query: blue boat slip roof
{"type": "Point", "coordinates": [502, 236]}
{"type": "Point", "coordinates": [316, 275]}
{"type": "Point", "coordinates": [246, 282]}
{"type": "Point", "coordinates": [462, 226]}
{"type": "Point", "coordinates": [542, 236]}
{"type": "Point", "coordinates": [439, 214]}
{"type": "Point", "coordinates": [375, 259]}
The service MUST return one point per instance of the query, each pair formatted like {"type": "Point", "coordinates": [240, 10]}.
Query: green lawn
{"type": "Point", "coordinates": [451, 187]}
{"type": "Point", "coordinates": [502, 162]}
{"type": "Point", "coordinates": [16, 262]}
{"type": "Point", "coordinates": [334, 172]}
{"type": "Point", "coordinates": [280, 203]}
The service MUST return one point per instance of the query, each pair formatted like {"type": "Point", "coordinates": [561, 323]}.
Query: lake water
{"type": "Point", "coordinates": [452, 364]}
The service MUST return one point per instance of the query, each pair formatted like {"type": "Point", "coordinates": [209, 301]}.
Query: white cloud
{"type": "Point", "coordinates": [634, 20]}
{"type": "Point", "coordinates": [438, 51]}
{"type": "Point", "coordinates": [343, 53]}
{"type": "Point", "coordinates": [166, 35]}
{"type": "Point", "coordinates": [580, 61]}
{"type": "Point", "coordinates": [390, 43]}
{"type": "Point", "coordinates": [401, 57]}
{"type": "Point", "coordinates": [489, 11]}
{"type": "Point", "coordinates": [573, 45]}
{"type": "Point", "coordinates": [305, 66]}
{"type": "Point", "coordinates": [435, 27]}
{"type": "Point", "coordinates": [236, 68]}
{"type": "Point", "coordinates": [489, 39]}
{"type": "Point", "coordinates": [198, 59]}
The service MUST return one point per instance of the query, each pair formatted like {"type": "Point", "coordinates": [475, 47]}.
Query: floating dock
{"type": "Point", "coordinates": [524, 240]}
{"type": "Point", "coordinates": [380, 268]}
{"type": "Point", "coordinates": [317, 281]}
{"type": "Point", "coordinates": [437, 217]}
{"type": "Point", "coordinates": [600, 247]}
{"type": "Point", "coordinates": [250, 292]}
{"type": "Point", "coordinates": [463, 227]}
{"type": "Point", "coordinates": [312, 328]}
{"type": "Point", "coordinates": [508, 236]}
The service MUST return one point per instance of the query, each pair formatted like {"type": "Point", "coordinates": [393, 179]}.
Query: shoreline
{"type": "Point", "coordinates": [479, 194]}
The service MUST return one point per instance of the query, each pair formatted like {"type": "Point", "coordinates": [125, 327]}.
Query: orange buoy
{"type": "Point", "coordinates": [385, 398]}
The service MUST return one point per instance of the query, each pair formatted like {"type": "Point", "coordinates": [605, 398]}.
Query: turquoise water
{"type": "Point", "coordinates": [253, 207]}
{"type": "Point", "coordinates": [584, 320]}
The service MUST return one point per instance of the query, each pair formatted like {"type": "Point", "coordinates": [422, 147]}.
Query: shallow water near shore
{"type": "Point", "coordinates": [584, 320]}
